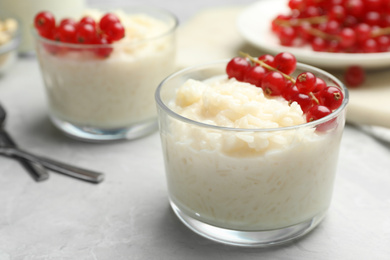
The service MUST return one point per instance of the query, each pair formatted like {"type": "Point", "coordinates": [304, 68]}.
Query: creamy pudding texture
{"type": "Point", "coordinates": [246, 180]}
{"type": "Point", "coordinates": [116, 91]}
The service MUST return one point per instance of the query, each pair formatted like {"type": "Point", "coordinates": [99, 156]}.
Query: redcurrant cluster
{"type": "Point", "coordinates": [84, 31]}
{"type": "Point", "coordinates": [350, 26]}
{"type": "Point", "coordinates": [274, 75]}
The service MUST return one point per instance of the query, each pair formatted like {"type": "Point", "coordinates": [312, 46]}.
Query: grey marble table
{"type": "Point", "coordinates": [128, 215]}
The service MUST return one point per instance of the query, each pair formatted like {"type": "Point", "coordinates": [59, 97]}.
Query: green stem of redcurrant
{"type": "Point", "coordinates": [327, 36]}
{"type": "Point", "coordinates": [380, 31]}
{"type": "Point", "coordinates": [314, 98]}
{"type": "Point", "coordinates": [265, 65]}
{"type": "Point", "coordinates": [300, 21]}
{"type": "Point", "coordinates": [323, 35]}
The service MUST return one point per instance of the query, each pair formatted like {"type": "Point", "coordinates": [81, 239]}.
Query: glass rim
{"type": "Point", "coordinates": [134, 10]}
{"type": "Point", "coordinates": [303, 66]}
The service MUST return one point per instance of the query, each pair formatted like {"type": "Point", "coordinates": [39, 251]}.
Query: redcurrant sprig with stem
{"type": "Point", "coordinates": [274, 76]}
{"type": "Point", "coordinates": [305, 82]}
{"type": "Point", "coordinates": [265, 65]}
{"type": "Point", "coordinates": [301, 21]}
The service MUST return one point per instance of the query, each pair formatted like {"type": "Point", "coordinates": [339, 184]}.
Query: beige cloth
{"type": "Point", "coordinates": [212, 35]}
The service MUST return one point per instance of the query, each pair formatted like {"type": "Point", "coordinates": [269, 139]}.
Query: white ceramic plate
{"type": "Point", "coordinates": [254, 24]}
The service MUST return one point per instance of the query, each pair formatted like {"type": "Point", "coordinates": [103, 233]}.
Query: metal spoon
{"type": "Point", "coordinates": [53, 165]}
{"type": "Point", "coordinates": [36, 170]}
{"type": "Point", "coordinates": [10, 150]}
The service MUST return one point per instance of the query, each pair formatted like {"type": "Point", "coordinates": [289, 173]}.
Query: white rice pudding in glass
{"type": "Point", "coordinates": [114, 92]}
{"type": "Point", "coordinates": [246, 180]}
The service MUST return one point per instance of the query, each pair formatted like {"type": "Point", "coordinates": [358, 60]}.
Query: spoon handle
{"type": "Point", "coordinates": [60, 167]}
{"type": "Point", "coordinates": [36, 170]}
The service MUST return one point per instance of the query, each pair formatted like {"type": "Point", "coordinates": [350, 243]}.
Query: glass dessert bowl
{"type": "Point", "coordinates": [243, 185]}
{"type": "Point", "coordinates": [105, 91]}
{"type": "Point", "coordinates": [9, 41]}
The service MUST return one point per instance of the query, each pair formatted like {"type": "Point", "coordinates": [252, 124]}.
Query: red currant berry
{"type": "Point", "coordinates": [311, 11]}
{"type": "Point", "coordinates": [85, 33]}
{"type": "Point", "coordinates": [50, 47]}
{"type": "Point", "coordinates": [237, 67]}
{"type": "Point", "coordinates": [363, 32]}
{"type": "Point", "coordinates": [333, 46]}
{"type": "Point", "coordinates": [68, 21]}
{"type": "Point", "coordinates": [107, 20]}
{"type": "Point", "coordinates": [268, 59]}
{"type": "Point", "coordinates": [355, 8]}
{"type": "Point", "coordinates": [383, 43]}
{"type": "Point", "coordinates": [45, 23]}
{"type": "Point", "coordinates": [306, 82]}
{"type": "Point", "coordinates": [254, 75]}
{"type": "Point", "coordinates": [304, 32]}
{"type": "Point", "coordinates": [115, 31]}
{"type": "Point", "coordinates": [320, 84]}
{"type": "Point", "coordinates": [275, 26]}
{"type": "Point", "coordinates": [386, 19]}
{"type": "Point", "coordinates": [369, 46]}
{"type": "Point", "coordinates": [290, 91]}
{"type": "Point", "coordinates": [88, 20]}
{"type": "Point", "coordinates": [373, 5]}
{"type": "Point", "coordinates": [287, 35]}
{"type": "Point", "coordinates": [318, 44]}
{"type": "Point", "coordinates": [317, 112]}
{"type": "Point", "coordinates": [285, 62]}
{"type": "Point", "coordinates": [332, 27]}
{"type": "Point", "coordinates": [104, 50]}
{"type": "Point", "coordinates": [273, 83]}
{"type": "Point", "coordinates": [347, 37]}
{"type": "Point", "coordinates": [331, 97]}
{"type": "Point", "coordinates": [56, 35]}
{"type": "Point", "coordinates": [296, 4]}
{"type": "Point", "coordinates": [304, 100]}
{"type": "Point", "coordinates": [372, 18]}
{"type": "Point", "coordinates": [350, 21]}
{"type": "Point", "coordinates": [354, 76]}
{"type": "Point", "coordinates": [337, 12]}
{"type": "Point", "coordinates": [49, 34]}
{"type": "Point", "coordinates": [67, 33]}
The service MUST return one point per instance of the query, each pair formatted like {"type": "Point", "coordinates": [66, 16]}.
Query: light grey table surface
{"type": "Point", "coordinates": [128, 215]}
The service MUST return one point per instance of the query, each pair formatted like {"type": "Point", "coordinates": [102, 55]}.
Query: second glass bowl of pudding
{"type": "Point", "coordinates": [245, 185]}
{"type": "Point", "coordinates": [95, 96]}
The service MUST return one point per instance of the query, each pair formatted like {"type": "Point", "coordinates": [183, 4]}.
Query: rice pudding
{"type": "Point", "coordinates": [114, 92]}
{"type": "Point", "coordinates": [238, 161]}
{"type": "Point", "coordinates": [247, 180]}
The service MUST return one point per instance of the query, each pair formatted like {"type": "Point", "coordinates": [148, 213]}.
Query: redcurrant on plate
{"type": "Point", "coordinates": [254, 24]}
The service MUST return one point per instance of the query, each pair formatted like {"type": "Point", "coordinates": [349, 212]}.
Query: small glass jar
{"type": "Point", "coordinates": [106, 92]}
{"type": "Point", "coordinates": [225, 190]}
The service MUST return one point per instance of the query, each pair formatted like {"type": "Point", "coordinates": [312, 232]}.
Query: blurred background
{"type": "Point", "coordinates": [182, 9]}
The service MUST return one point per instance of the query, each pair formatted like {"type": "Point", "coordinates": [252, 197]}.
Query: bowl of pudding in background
{"type": "Point", "coordinates": [105, 91]}
{"type": "Point", "coordinates": [236, 177]}
{"type": "Point", "coordinates": [9, 41]}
